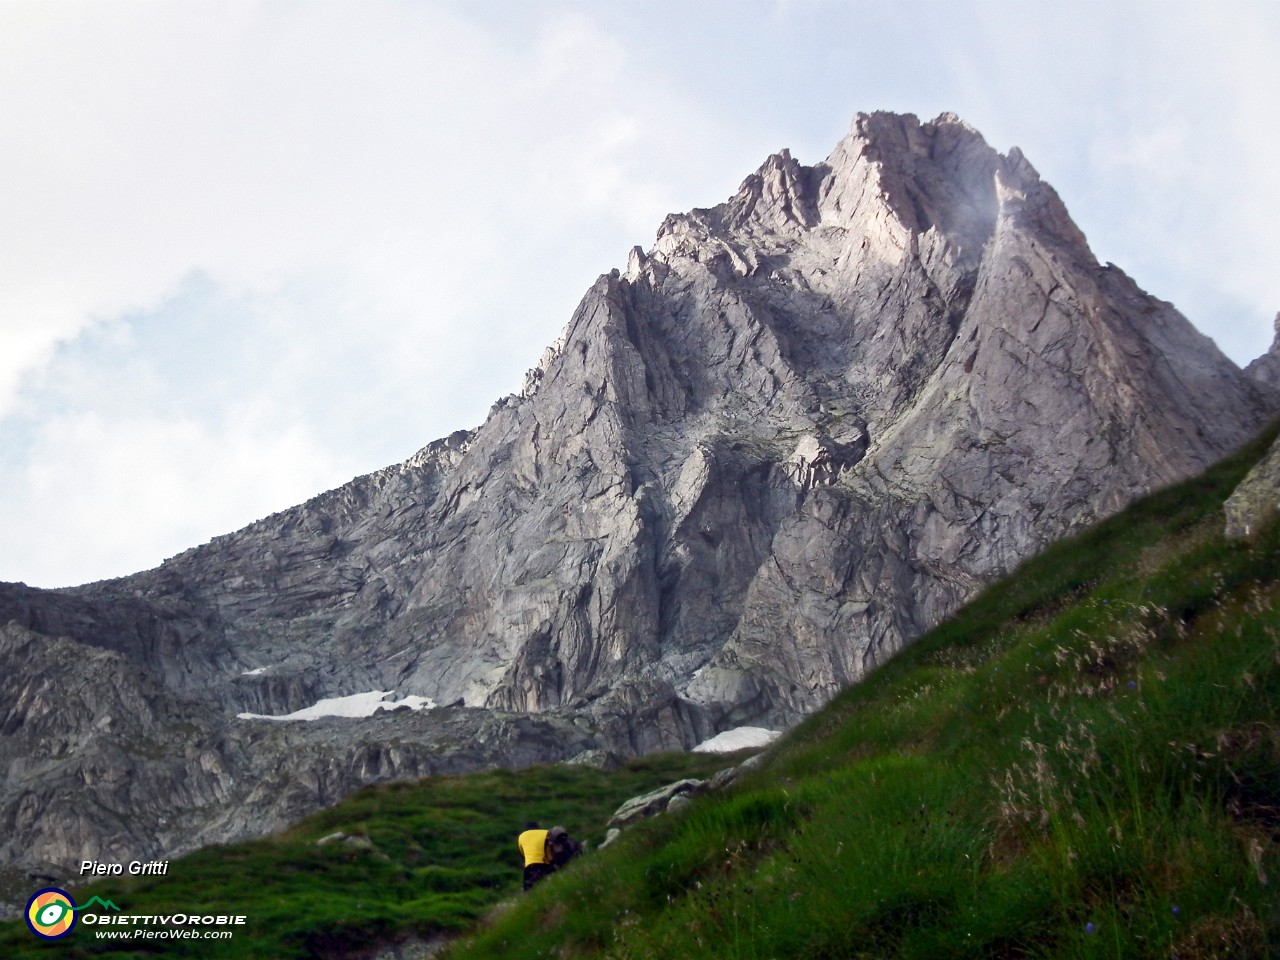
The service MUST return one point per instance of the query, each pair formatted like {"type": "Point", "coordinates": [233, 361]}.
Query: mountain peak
{"type": "Point", "coordinates": [803, 427]}
{"type": "Point", "coordinates": [891, 184]}
{"type": "Point", "coordinates": [776, 196]}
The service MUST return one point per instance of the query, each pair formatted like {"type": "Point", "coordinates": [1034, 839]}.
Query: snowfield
{"type": "Point", "coordinates": [356, 705]}
{"type": "Point", "coordinates": [739, 738]}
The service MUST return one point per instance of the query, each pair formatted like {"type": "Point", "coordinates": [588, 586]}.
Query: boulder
{"type": "Point", "coordinates": [653, 803]}
{"type": "Point", "coordinates": [1257, 498]}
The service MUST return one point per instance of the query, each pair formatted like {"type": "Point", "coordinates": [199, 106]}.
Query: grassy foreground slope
{"type": "Point", "coordinates": [1084, 763]}
{"type": "Point", "coordinates": [423, 858]}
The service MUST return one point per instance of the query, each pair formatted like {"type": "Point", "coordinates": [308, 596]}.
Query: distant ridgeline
{"type": "Point", "coordinates": [797, 432]}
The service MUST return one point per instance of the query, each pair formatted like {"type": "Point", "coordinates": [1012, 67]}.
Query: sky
{"type": "Point", "coordinates": [250, 249]}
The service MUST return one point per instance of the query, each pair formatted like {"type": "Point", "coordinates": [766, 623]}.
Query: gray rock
{"type": "Point", "coordinates": [1257, 498]}
{"type": "Point", "coordinates": [357, 842]}
{"type": "Point", "coordinates": [1266, 368]}
{"type": "Point", "coordinates": [679, 803]}
{"type": "Point", "coordinates": [613, 834]}
{"type": "Point", "coordinates": [653, 803]}
{"type": "Point", "coordinates": [802, 428]}
{"type": "Point", "coordinates": [723, 778]}
{"type": "Point", "coordinates": [599, 759]}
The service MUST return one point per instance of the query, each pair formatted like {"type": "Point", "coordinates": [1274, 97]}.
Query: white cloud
{"type": "Point", "coordinates": [1149, 118]}
{"type": "Point", "coordinates": [96, 493]}
{"type": "Point", "coordinates": [250, 250]}
{"type": "Point", "coordinates": [262, 142]}
{"type": "Point", "coordinates": [388, 212]}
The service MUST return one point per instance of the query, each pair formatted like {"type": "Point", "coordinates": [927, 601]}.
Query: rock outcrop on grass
{"type": "Point", "coordinates": [651, 804]}
{"type": "Point", "coordinates": [1257, 498]}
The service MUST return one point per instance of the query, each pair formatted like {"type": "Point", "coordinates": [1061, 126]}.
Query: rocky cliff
{"type": "Point", "coordinates": [1266, 368]}
{"type": "Point", "coordinates": [801, 428]}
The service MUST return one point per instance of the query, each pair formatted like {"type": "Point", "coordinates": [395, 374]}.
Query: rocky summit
{"type": "Point", "coordinates": [801, 428]}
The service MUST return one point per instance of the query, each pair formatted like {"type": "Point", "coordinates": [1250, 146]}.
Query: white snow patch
{"type": "Point", "coordinates": [356, 705]}
{"type": "Point", "coordinates": [253, 673]}
{"type": "Point", "coordinates": [738, 739]}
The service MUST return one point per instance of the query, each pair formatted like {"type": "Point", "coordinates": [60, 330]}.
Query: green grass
{"type": "Point", "coordinates": [440, 852]}
{"type": "Point", "coordinates": [1083, 763]}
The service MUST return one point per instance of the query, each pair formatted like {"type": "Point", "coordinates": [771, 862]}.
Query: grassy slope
{"type": "Point", "coordinates": [443, 852]}
{"type": "Point", "coordinates": [1084, 763]}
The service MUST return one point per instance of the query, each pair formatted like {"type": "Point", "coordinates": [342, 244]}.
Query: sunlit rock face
{"type": "Point", "coordinates": [797, 431]}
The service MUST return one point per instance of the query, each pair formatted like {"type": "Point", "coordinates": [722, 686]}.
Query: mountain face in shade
{"type": "Point", "coordinates": [800, 429]}
{"type": "Point", "coordinates": [1266, 368]}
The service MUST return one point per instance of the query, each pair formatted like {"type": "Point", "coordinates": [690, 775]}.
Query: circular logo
{"type": "Point", "coordinates": [51, 913]}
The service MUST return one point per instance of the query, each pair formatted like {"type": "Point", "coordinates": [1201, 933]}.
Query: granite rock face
{"type": "Point", "coordinates": [1266, 368]}
{"type": "Point", "coordinates": [104, 761]}
{"type": "Point", "coordinates": [799, 430]}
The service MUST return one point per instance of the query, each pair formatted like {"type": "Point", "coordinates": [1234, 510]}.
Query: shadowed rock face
{"type": "Point", "coordinates": [1266, 368]}
{"type": "Point", "coordinates": [104, 761]}
{"type": "Point", "coordinates": [802, 428]}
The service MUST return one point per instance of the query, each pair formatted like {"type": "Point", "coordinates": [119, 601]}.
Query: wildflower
{"type": "Point", "coordinates": [1133, 684]}
{"type": "Point", "coordinates": [1089, 928]}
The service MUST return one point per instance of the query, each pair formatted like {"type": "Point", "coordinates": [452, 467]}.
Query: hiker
{"type": "Point", "coordinates": [545, 851]}
{"type": "Point", "coordinates": [537, 854]}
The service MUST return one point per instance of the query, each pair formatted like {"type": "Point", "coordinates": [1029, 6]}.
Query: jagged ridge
{"type": "Point", "coordinates": [799, 430]}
